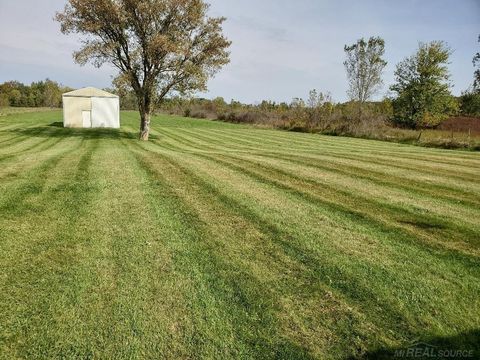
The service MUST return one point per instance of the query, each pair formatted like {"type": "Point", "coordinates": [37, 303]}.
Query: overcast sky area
{"type": "Point", "coordinates": [281, 49]}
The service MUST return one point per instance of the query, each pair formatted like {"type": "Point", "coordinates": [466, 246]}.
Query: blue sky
{"type": "Point", "coordinates": [281, 49]}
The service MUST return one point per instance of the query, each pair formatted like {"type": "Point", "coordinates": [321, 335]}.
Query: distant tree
{"type": "Point", "coordinates": [319, 107]}
{"type": "Point", "coordinates": [297, 110]}
{"type": "Point", "coordinates": [159, 46]}
{"type": "Point", "coordinates": [476, 64]}
{"type": "Point", "coordinates": [364, 66]}
{"type": "Point", "coordinates": [16, 98]}
{"type": "Point", "coordinates": [34, 94]}
{"type": "Point", "coordinates": [267, 105]}
{"type": "Point", "coordinates": [317, 99]}
{"type": "Point", "coordinates": [8, 95]}
{"type": "Point", "coordinates": [4, 100]}
{"type": "Point", "coordinates": [422, 87]}
{"type": "Point", "coordinates": [470, 103]}
{"type": "Point", "coordinates": [219, 105]}
{"type": "Point", "coordinates": [52, 95]}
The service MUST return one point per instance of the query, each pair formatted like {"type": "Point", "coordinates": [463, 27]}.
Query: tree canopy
{"type": "Point", "coordinates": [423, 88]}
{"type": "Point", "coordinates": [158, 46]}
{"type": "Point", "coordinates": [364, 66]}
{"type": "Point", "coordinates": [46, 93]}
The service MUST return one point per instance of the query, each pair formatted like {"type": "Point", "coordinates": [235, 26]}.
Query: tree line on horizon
{"type": "Point", "coordinates": [47, 93]}
{"type": "Point", "coordinates": [163, 49]}
{"type": "Point", "coordinates": [422, 93]}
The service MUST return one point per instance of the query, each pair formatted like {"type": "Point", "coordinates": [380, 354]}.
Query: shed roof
{"type": "Point", "coordinates": [89, 92]}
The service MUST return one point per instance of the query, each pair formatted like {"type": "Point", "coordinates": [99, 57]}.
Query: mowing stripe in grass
{"type": "Point", "coordinates": [433, 190]}
{"type": "Point", "coordinates": [189, 143]}
{"type": "Point", "coordinates": [214, 240]}
{"type": "Point", "coordinates": [33, 184]}
{"type": "Point", "coordinates": [468, 261]}
{"type": "Point", "coordinates": [423, 166]}
{"type": "Point", "coordinates": [226, 208]}
{"type": "Point", "coordinates": [217, 285]}
{"type": "Point", "coordinates": [36, 148]}
{"type": "Point", "coordinates": [358, 207]}
{"type": "Point", "coordinates": [471, 235]}
{"type": "Point", "coordinates": [325, 143]}
{"type": "Point", "coordinates": [389, 191]}
{"type": "Point", "coordinates": [366, 146]}
{"type": "Point", "coordinates": [28, 259]}
{"type": "Point", "coordinates": [15, 169]}
{"type": "Point", "coordinates": [335, 158]}
{"type": "Point", "coordinates": [20, 139]}
{"type": "Point", "coordinates": [466, 198]}
{"type": "Point", "coordinates": [353, 287]}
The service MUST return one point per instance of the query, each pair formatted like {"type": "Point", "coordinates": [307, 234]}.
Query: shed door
{"type": "Point", "coordinates": [87, 119]}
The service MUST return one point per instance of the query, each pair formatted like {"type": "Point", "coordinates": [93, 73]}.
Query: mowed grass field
{"type": "Point", "coordinates": [216, 240]}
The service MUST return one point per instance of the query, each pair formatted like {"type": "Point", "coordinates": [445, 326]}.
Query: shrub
{"type": "Point", "coordinates": [198, 114]}
{"type": "Point", "coordinates": [470, 104]}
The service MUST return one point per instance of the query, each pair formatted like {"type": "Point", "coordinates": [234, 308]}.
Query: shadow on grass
{"type": "Point", "coordinates": [57, 124]}
{"type": "Point", "coordinates": [461, 346]}
{"type": "Point", "coordinates": [423, 224]}
{"type": "Point", "coordinates": [56, 129]}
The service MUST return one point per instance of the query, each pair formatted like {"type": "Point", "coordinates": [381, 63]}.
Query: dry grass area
{"type": "Point", "coordinates": [462, 124]}
{"type": "Point", "coordinates": [216, 240]}
{"type": "Point", "coordinates": [455, 133]}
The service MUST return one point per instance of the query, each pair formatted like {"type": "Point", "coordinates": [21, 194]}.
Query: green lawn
{"type": "Point", "coordinates": [221, 241]}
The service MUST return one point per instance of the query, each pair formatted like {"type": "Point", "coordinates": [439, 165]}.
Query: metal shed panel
{"type": "Point", "coordinates": [105, 112]}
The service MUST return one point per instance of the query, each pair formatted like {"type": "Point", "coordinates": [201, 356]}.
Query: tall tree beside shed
{"type": "Point", "coordinates": [158, 46]}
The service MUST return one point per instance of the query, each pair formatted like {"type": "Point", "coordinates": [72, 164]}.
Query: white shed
{"type": "Point", "coordinates": [91, 108]}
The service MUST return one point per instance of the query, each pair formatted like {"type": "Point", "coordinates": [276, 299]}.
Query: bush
{"type": "Point", "coordinates": [4, 100]}
{"type": "Point", "coordinates": [470, 104]}
{"type": "Point", "coordinates": [198, 114]}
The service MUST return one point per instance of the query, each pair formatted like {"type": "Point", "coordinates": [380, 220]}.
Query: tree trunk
{"type": "Point", "coordinates": [144, 125]}
{"type": "Point", "coordinates": [145, 108]}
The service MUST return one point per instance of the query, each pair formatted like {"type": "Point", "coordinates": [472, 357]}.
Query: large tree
{"type": "Point", "coordinates": [364, 66]}
{"type": "Point", "coordinates": [423, 88]}
{"type": "Point", "coordinates": [158, 46]}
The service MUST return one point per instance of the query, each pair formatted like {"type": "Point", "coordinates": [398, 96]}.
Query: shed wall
{"type": "Point", "coordinates": [72, 110]}
{"type": "Point", "coordinates": [105, 112]}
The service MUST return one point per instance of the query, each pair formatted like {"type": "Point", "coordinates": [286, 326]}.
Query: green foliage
{"type": "Point", "coordinates": [319, 109]}
{"type": "Point", "coordinates": [470, 104]}
{"type": "Point", "coordinates": [46, 93]}
{"type": "Point", "coordinates": [4, 100]}
{"type": "Point", "coordinates": [159, 47]}
{"type": "Point", "coordinates": [422, 87]}
{"type": "Point", "coordinates": [384, 107]}
{"type": "Point", "coordinates": [364, 66]}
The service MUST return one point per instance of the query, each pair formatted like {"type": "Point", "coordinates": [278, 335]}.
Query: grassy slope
{"type": "Point", "coordinates": [217, 240]}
